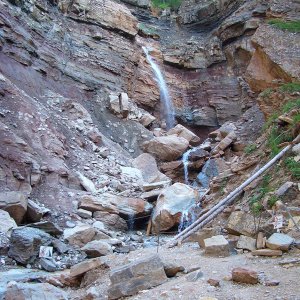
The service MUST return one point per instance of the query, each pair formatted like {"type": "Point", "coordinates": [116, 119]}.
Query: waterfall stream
{"type": "Point", "coordinates": [167, 110]}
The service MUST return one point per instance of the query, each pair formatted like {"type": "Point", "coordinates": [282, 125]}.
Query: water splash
{"type": "Point", "coordinates": [185, 161]}
{"type": "Point", "coordinates": [187, 218]}
{"type": "Point", "coordinates": [168, 108]}
{"type": "Point", "coordinates": [130, 222]}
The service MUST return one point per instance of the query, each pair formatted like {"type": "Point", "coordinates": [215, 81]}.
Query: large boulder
{"type": "Point", "coordinates": [97, 248]}
{"type": "Point", "coordinates": [171, 203]}
{"type": "Point", "coordinates": [15, 203]}
{"type": "Point", "coordinates": [115, 204]}
{"type": "Point", "coordinates": [106, 13]}
{"type": "Point", "coordinates": [34, 291]}
{"type": "Point", "coordinates": [139, 275]}
{"type": "Point", "coordinates": [217, 246]}
{"type": "Point", "coordinates": [183, 132]}
{"type": "Point", "coordinates": [146, 163]}
{"type": "Point", "coordinates": [279, 241]}
{"type": "Point", "coordinates": [166, 148]}
{"type": "Point", "coordinates": [7, 224]}
{"type": "Point", "coordinates": [241, 223]}
{"type": "Point", "coordinates": [25, 244]}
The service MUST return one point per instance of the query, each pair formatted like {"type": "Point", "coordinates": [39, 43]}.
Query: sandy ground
{"type": "Point", "coordinates": [190, 255]}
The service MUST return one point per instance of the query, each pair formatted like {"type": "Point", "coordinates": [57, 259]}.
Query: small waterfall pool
{"type": "Point", "coordinates": [167, 110]}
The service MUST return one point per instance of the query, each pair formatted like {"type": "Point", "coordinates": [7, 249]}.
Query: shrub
{"type": "Point", "coordinates": [163, 4]}
{"type": "Point", "coordinates": [293, 166]}
{"type": "Point", "coordinates": [250, 148]}
{"type": "Point", "coordinates": [292, 26]}
{"type": "Point", "coordinates": [290, 87]}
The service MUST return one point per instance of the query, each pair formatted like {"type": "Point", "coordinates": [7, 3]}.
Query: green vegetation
{"type": "Point", "coordinates": [292, 26]}
{"type": "Point", "coordinates": [291, 105]}
{"type": "Point", "coordinates": [277, 137]}
{"type": "Point", "coordinates": [163, 4]}
{"type": "Point", "coordinates": [293, 166]}
{"type": "Point", "coordinates": [255, 201]}
{"type": "Point", "coordinates": [266, 93]}
{"type": "Point", "coordinates": [148, 30]}
{"type": "Point", "coordinates": [250, 148]}
{"type": "Point", "coordinates": [272, 200]}
{"type": "Point", "coordinates": [291, 87]}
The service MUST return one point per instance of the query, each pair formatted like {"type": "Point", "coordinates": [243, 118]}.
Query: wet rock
{"type": "Point", "coordinates": [166, 148]}
{"type": "Point", "coordinates": [216, 246]}
{"type": "Point", "coordinates": [85, 266]}
{"type": "Point", "coordinates": [35, 212]}
{"type": "Point", "coordinates": [171, 269]}
{"type": "Point", "coordinates": [146, 163]}
{"type": "Point", "coordinates": [240, 223]}
{"type": "Point", "coordinates": [25, 244]}
{"type": "Point", "coordinates": [112, 221]}
{"type": "Point", "coordinates": [80, 234]}
{"type": "Point", "coordinates": [213, 167]}
{"type": "Point", "coordinates": [170, 204]}
{"type": "Point", "coordinates": [34, 291]}
{"type": "Point", "coordinates": [183, 132]}
{"type": "Point", "coordinates": [266, 252]}
{"type": "Point", "coordinates": [244, 276]}
{"type": "Point", "coordinates": [7, 224]}
{"type": "Point", "coordinates": [246, 242]}
{"type": "Point", "coordinates": [96, 249]}
{"type": "Point", "coordinates": [279, 241]}
{"type": "Point", "coordinates": [139, 275]}
{"type": "Point", "coordinates": [15, 203]}
{"type": "Point", "coordinates": [84, 213]}
{"type": "Point", "coordinates": [48, 265]}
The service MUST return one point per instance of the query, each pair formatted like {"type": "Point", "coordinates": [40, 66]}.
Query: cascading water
{"type": "Point", "coordinates": [185, 161]}
{"type": "Point", "coordinates": [167, 109]}
{"type": "Point", "coordinates": [130, 222]}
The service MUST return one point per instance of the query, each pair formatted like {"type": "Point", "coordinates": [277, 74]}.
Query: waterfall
{"type": "Point", "coordinates": [185, 161]}
{"type": "Point", "coordinates": [167, 109]}
{"type": "Point", "coordinates": [130, 222]}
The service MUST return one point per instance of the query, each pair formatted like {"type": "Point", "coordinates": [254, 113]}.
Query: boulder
{"type": "Point", "coordinates": [171, 269]}
{"type": "Point", "coordinates": [85, 214]}
{"type": "Point", "coordinates": [48, 264]}
{"type": "Point", "coordinates": [183, 132]}
{"type": "Point", "coordinates": [216, 246]}
{"type": "Point", "coordinates": [203, 234]}
{"type": "Point", "coordinates": [112, 221]}
{"type": "Point", "coordinates": [34, 291]}
{"type": "Point", "coordinates": [105, 13]}
{"type": "Point", "coordinates": [80, 235]}
{"type": "Point", "coordinates": [266, 252]}
{"type": "Point", "coordinates": [35, 211]}
{"type": "Point", "coordinates": [25, 244]}
{"type": "Point", "coordinates": [15, 203]}
{"type": "Point", "coordinates": [146, 163]}
{"type": "Point", "coordinates": [139, 275]}
{"type": "Point", "coordinates": [4, 243]}
{"type": "Point", "coordinates": [224, 143]}
{"type": "Point", "coordinates": [279, 241]}
{"type": "Point", "coordinates": [97, 248]}
{"type": "Point", "coordinates": [241, 223]}
{"type": "Point", "coordinates": [7, 224]}
{"type": "Point", "coordinates": [48, 227]}
{"type": "Point", "coordinates": [115, 204]}
{"type": "Point", "coordinates": [194, 276]}
{"type": "Point", "coordinates": [166, 148]}
{"type": "Point", "coordinates": [85, 266]}
{"type": "Point", "coordinates": [87, 184]}
{"type": "Point", "coordinates": [170, 204]}
{"type": "Point", "coordinates": [241, 275]}
{"type": "Point", "coordinates": [288, 191]}
{"type": "Point", "coordinates": [246, 242]}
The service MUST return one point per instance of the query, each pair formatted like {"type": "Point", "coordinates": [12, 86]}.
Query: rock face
{"type": "Point", "coordinates": [170, 205]}
{"type": "Point", "coordinates": [25, 244]}
{"type": "Point", "coordinates": [216, 246]}
{"type": "Point", "coordinates": [42, 291]}
{"type": "Point", "coordinates": [136, 276]}
{"type": "Point", "coordinates": [105, 13]}
{"type": "Point", "coordinates": [15, 203]}
{"type": "Point", "coordinates": [266, 63]}
{"type": "Point", "coordinates": [166, 148]}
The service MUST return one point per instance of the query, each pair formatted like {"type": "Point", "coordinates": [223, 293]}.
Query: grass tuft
{"type": "Point", "coordinates": [291, 26]}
